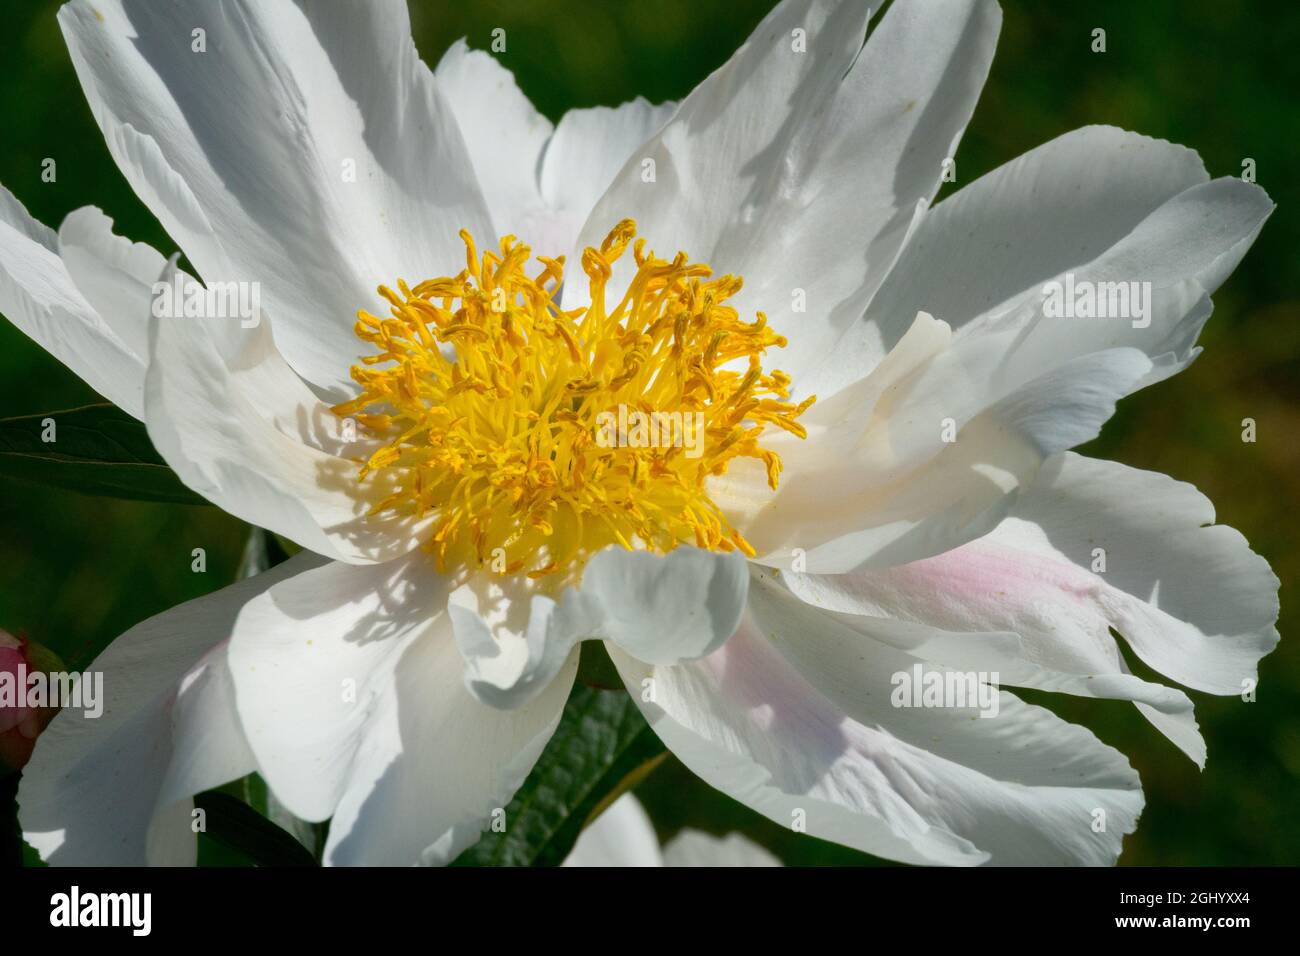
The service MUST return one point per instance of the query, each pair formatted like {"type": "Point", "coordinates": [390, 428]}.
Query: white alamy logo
{"type": "Point", "coordinates": [633, 428]}
{"type": "Point", "coordinates": [1084, 299]}
{"type": "Point", "coordinates": [103, 909]}
{"type": "Point", "coordinates": [944, 688]}
{"type": "Point", "coordinates": [37, 689]}
{"type": "Point", "coordinates": [184, 298]}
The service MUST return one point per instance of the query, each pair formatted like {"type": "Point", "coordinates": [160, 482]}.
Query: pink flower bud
{"type": "Point", "coordinates": [19, 723]}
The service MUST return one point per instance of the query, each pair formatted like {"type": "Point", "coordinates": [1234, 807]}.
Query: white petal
{"type": "Point", "coordinates": [714, 162]}
{"type": "Point", "coordinates": [1016, 384]}
{"type": "Point", "coordinates": [1189, 596]}
{"type": "Point", "coordinates": [621, 836]}
{"type": "Point", "coordinates": [587, 150]}
{"type": "Point", "coordinates": [986, 608]}
{"type": "Point", "coordinates": [115, 274]}
{"type": "Point", "coordinates": [222, 446]}
{"type": "Point", "coordinates": [662, 609]}
{"type": "Point", "coordinates": [514, 639]}
{"type": "Point", "coordinates": [806, 735]}
{"type": "Point", "coordinates": [659, 608]}
{"type": "Point", "coordinates": [1098, 202]}
{"type": "Point", "coordinates": [922, 455]}
{"type": "Point", "coordinates": [313, 657]}
{"type": "Point", "coordinates": [349, 687]}
{"type": "Point", "coordinates": [1091, 546]}
{"type": "Point", "coordinates": [504, 133]}
{"type": "Point", "coordinates": [307, 149]}
{"type": "Point", "coordinates": [115, 790]}
{"type": "Point", "coordinates": [436, 765]}
{"type": "Point", "coordinates": [117, 277]}
{"type": "Point", "coordinates": [540, 181]}
{"type": "Point", "coordinates": [694, 848]}
{"type": "Point", "coordinates": [802, 169]}
{"type": "Point", "coordinates": [39, 294]}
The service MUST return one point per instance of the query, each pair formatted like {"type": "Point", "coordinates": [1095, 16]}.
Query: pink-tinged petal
{"type": "Point", "coordinates": [793, 718]}
{"type": "Point", "coordinates": [1090, 547]}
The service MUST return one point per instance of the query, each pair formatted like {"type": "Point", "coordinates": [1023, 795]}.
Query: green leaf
{"type": "Point", "coordinates": [601, 747]}
{"type": "Point", "coordinates": [238, 833]}
{"type": "Point", "coordinates": [253, 791]}
{"type": "Point", "coordinates": [97, 450]}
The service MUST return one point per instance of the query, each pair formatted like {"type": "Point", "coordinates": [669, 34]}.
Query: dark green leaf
{"type": "Point", "coordinates": [241, 833]}
{"type": "Point", "coordinates": [98, 450]}
{"type": "Point", "coordinates": [595, 669]}
{"type": "Point", "coordinates": [253, 791]}
{"type": "Point", "coordinates": [600, 748]}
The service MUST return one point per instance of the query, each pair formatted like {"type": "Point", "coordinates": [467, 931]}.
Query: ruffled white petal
{"type": "Point", "coordinates": [504, 133]}
{"type": "Point", "coordinates": [514, 638]}
{"type": "Point", "coordinates": [115, 274]}
{"type": "Point", "coordinates": [1025, 640]}
{"type": "Point", "coordinates": [1090, 546]}
{"type": "Point", "coordinates": [1189, 596]}
{"type": "Point", "coordinates": [437, 766]}
{"type": "Point", "coordinates": [1060, 205]}
{"type": "Point", "coordinates": [1098, 202]}
{"type": "Point", "coordinates": [540, 181]}
{"type": "Point", "coordinates": [1093, 199]}
{"type": "Point", "coordinates": [659, 608]}
{"type": "Point", "coordinates": [793, 718]}
{"type": "Point", "coordinates": [801, 162]}
{"type": "Point", "coordinates": [307, 149]}
{"type": "Point", "coordinates": [922, 455]}
{"type": "Point", "coordinates": [582, 158]}
{"type": "Point", "coordinates": [348, 684]}
{"type": "Point", "coordinates": [116, 790]}
{"type": "Point", "coordinates": [40, 292]}
{"type": "Point", "coordinates": [222, 444]}
{"type": "Point", "coordinates": [311, 660]}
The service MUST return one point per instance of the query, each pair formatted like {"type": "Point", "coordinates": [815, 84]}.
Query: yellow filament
{"type": "Point", "coordinates": [500, 443]}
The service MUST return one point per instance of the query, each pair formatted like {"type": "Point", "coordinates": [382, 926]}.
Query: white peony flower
{"type": "Point", "coordinates": [762, 600]}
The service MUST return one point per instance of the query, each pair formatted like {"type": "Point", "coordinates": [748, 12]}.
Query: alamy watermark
{"type": "Point", "coordinates": [61, 689]}
{"type": "Point", "coordinates": [1085, 299]}
{"type": "Point", "coordinates": [946, 689]}
{"type": "Point", "coordinates": [633, 428]}
{"type": "Point", "coordinates": [185, 298]}
{"type": "Point", "coordinates": [74, 908]}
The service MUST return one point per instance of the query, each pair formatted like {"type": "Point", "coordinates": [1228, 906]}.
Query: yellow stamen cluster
{"type": "Point", "coordinates": [490, 399]}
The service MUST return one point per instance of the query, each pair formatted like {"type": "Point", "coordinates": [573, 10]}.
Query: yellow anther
{"type": "Point", "coordinates": [515, 445]}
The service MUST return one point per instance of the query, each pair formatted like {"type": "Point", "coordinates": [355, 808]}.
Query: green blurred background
{"type": "Point", "coordinates": [1219, 77]}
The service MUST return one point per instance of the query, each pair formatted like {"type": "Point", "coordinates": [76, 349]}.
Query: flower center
{"type": "Point", "coordinates": [534, 437]}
